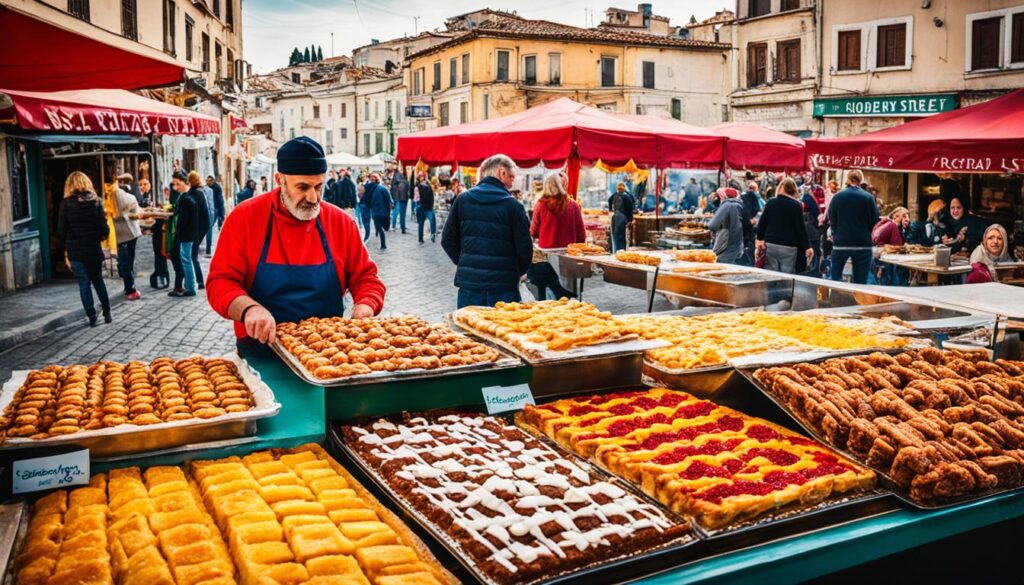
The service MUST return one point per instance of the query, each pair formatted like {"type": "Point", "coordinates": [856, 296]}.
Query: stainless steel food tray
{"type": "Point", "coordinates": [665, 555]}
{"type": "Point", "coordinates": [130, 439]}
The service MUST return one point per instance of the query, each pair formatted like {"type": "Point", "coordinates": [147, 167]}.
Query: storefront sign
{"type": "Point", "coordinates": [506, 398]}
{"type": "Point", "coordinates": [881, 106]}
{"type": "Point", "coordinates": [953, 164]}
{"type": "Point", "coordinates": [44, 473]}
{"type": "Point", "coordinates": [418, 111]}
{"type": "Point", "coordinates": [61, 119]}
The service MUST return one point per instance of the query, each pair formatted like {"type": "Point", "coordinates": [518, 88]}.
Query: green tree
{"type": "Point", "coordinates": [295, 58]}
{"type": "Point", "coordinates": [305, 56]}
{"type": "Point", "coordinates": [319, 54]}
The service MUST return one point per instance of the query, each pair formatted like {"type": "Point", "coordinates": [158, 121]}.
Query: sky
{"type": "Point", "coordinates": [273, 27]}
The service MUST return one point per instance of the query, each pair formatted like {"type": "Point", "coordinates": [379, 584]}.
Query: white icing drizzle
{"type": "Point", "coordinates": [513, 497]}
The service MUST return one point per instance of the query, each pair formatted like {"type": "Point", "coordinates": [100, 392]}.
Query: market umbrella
{"type": "Point", "coordinates": [984, 138]}
{"type": "Point", "coordinates": [755, 148]}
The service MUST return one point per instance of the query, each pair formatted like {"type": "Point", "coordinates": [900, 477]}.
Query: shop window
{"type": "Point", "coordinates": [170, 12]}
{"type": "Point", "coordinates": [463, 112]}
{"type": "Point", "coordinates": [437, 77]}
{"type": "Point", "coordinates": [444, 114]}
{"type": "Point", "coordinates": [607, 71]}
{"type": "Point", "coordinates": [759, 8]}
{"type": "Point", "coordinates": [453, 72]}
{"type": "Point", "coordinates": [849, 50]}
{"type": "Point", "coordinates": [554, 69]}
{"type": "Point", "coordinates": [788, 61]}
{"type": "Point", "coordinates": [79, 9]}
{"type": "Point", "coordinates": [465, 69]}
{"type": "Point", "coordinates": [130, 19]}
{"type": "Point", "coordinates": [649, 74]}
{"type": "Point", "coordinates": [757, 64]}
{"type": "Point", "coordinates": [530, 70]}
{"type": "Point", "coordinates": [892, 46]}
{"type": "Point", "coordinates": [502, 66]}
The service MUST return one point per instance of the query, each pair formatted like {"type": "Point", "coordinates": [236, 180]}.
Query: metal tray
{"type": "Point", "coordinates": [658, 558]}
{"type": "Point", "coordinates": [885, 480]}
{"type": "Point", "coordinates": [506, 361]}
{"type": "Point", "coordinates": [701, 382]}
{"type": "Point", "coordinates": [775, 518]}
{"type": "Point", "coordinates": [128, 439]}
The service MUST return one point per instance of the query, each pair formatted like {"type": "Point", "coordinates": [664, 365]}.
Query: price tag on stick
{"type": "Point", "coordinates": [506, 398]}
{"type": "Point", "coordinates": [47, 473]}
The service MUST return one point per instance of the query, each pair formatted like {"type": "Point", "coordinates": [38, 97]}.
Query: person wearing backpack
{"type": "Point", "coordinates": [622, 206]}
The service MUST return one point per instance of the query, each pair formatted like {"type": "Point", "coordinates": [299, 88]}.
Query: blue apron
{"type": "Point", "coordinates": [293, 293]}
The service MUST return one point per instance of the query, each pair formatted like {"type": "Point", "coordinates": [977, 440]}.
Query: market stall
{"type": "Point", "coordinates": [755, 148]}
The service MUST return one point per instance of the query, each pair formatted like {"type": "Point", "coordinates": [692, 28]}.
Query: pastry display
{"type": "Point", "coordinates": [271, 517]}
{"type": "Point", "coordinates": [584, 249]}
{"type": "Point", "coordinates": [712, 339]}
{"type": "Point", "coordinates": [335, 347]}
{"type": "Point", "coordinates": [516, 507]}
{"type": "Point", "coordinates": [942, 424]}
{"type": "Point", "coordinates": [552, 325]}
{"type": "Point", "coordinates": [706, 461]}
{"type": "Point", "coordinates": [57, 400]}
{"type": "Point", "coordinates": [638, 258]}
{"type": "Point", "coordinates": [907, 249]}
{"type": "Point", "coordinates": [695, 255]}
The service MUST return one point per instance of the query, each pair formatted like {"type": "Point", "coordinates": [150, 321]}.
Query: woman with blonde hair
{"type": "Point", "coordinates": [82, 226]}
{"type": "Point", "coordinates": [557, 222]}
{"type": "Point", "coordinates": [993, 249]}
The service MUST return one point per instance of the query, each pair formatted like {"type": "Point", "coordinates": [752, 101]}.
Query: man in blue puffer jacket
{"type": "Point", "coordinates": [487, 235]}
{"type": "Point", "coordinates": [377, 199]}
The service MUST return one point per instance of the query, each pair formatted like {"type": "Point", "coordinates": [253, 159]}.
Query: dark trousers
{"type": "Point", "coordinates": [364, 217]}
{"type": "Point", "coordinates": [126, 265]}
{"type": "Point", "coordinates": [380, 224]}
{"type": "Point", "coordinates": [747, 257]}
{"type": "Point", "coordinates": [195, 263]}
{"type": "Point", "coordinates": [422, 215]}
{"type": "Point", "coordinates": [209, 238]}
{"type": "Point", "coordinates": [398, 214]}
{"type": "Point", "coordinates": [618, 237]}
{"type": "Point", "coordinates": [814, 268]}
{"type": "Point", "coordinates": [861, 259]}
{"type": "Point", "coordinates": [544, 277]}
{"type": "Point", "coordinates": [90, 275]}
{"type": "Point", "coordinates": [179, 270]}
{"type": "Point", "coordinates": [470, 298]}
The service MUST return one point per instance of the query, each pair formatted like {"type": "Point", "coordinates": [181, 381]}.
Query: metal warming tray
{"type": "Point", "coordinates": [129, 439]}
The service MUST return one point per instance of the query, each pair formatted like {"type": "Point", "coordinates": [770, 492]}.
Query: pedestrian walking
{"type": "Point", "coordinates": [400, 193]}
{"type": "Point", "coordinates": [127, 232]}
{"type": "Point", "coordinates": [210, 215]}
{"type": "Point", "coordinates": [425, 208]}
{"type": "Point", "coordinates": [378, 203]}
{"type": "Point", "coordinates": [246, 193]}
{"type": "Point", "coordinates": [487, 236]}
{"type": "Point", "coordinates": [781, 234]}
{"type": "Point", "coordinates": [218, 202]}
{"type": "Point", "coordinates": [365, 215]}
{"type": "Point", "coordinates": [557, 222]}
{"type": "Point", "coordinates": [752, 206]}
{"type": "Point", "coordinates": [346, 191]}
{"type": "Point", "coordinates": [852, 214]}
{"type": "Point", "coordinates": [82, 226]}
{"type": "Point", "coordinates": [192, 225]}
{"type": "Point", "coordinates": [811, 211]}
{"type": "Point", "coordinates": [727, 227]}
{"type": "Point", "coordinates": [622, 207]}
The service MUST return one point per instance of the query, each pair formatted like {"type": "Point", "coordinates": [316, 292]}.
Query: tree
{"type": "Point", "coordinates": [319, 54]}
{"type": "Point", "coordinates": [305, 56]}
{"type": "Point", "coordinates": [312, 54]}
{"type": "Point", "coordinates": [295, 58]}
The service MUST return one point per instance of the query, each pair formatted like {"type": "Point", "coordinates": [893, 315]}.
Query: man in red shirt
{"type": "Point", "coordinates": [284, 256]}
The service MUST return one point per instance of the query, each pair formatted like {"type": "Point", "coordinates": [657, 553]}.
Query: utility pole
{"type": "Point", "coordinates": [416, 20]}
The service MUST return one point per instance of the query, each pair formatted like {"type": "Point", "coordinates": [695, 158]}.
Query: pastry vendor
{"type": "Point", "coordinates": [287, 255]}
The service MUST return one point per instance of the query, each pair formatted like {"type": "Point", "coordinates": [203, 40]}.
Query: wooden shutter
{"type": "Point", "coordinates": [985, 43]}
{"type": "Point", "coordinates": [751, 67]}
{"type": "Point", "coordinates": [849, 50]}
{"type": "Point", "coordinates": [789, 61]}
{"type": "Point", "coordinates": [892, 45]}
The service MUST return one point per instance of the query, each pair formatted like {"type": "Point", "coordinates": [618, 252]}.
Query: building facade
{"type": "Point", "coordinates": [381, 118]}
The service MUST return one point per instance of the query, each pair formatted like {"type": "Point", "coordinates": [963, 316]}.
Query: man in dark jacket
{"type": "Point", "coordinates": [400, 193]}
{"type": "Point", "coordinates": [487, 235]}
{"type": "Point", "coordinates": [852, 214]}
{"type": "Point", "coordinates": [191, 223]}
{"type": "Point", "coordinates": [346, 188]}
{"type": "Point", "coordinates": [377, 200]}
{"type": "Point", "coordinates": [727, 226]}
{"type": "Point", "coordinates": [622, 207]}
{"type": "Point", "coordinates": [425, 210]}
{"type": "Point", "coordinates": [752, 206]}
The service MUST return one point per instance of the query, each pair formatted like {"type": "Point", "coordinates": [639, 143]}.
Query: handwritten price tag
{"type": "Point", "coordinates": [506, 398]}
{"type": "Point", "coordinates": [45, 473]}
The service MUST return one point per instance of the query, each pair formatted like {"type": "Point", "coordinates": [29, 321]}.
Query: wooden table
{"type": "Point", "coordinates": [927, 272]}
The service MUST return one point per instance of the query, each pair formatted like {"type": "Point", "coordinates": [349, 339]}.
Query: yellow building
{"type": "Point", "coordinates": [499, 63]}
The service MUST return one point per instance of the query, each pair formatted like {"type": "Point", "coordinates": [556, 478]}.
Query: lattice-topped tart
{"type": "Point", "coordinates": [700, 459]}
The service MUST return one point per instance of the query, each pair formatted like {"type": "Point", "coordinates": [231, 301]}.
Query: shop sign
{"type": "Point", "coordinates": [96, 120]}
{"type": "Point", "coordinates": [506, 398]}
{"type": "Point", "coordinates": [418, 111]}
{"type": "Point", "coordinates": [45, 473]}
{"type": "Point", "coordinates": [881, 106]}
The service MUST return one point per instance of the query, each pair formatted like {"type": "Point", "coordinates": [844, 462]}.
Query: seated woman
{"type": "Point", "coordinates": [557, 222]}
{"type": "Point", "coordinates": [993, 249]}
{"type": "Point", "coordinates": [963, 229]}
{"type": "Point", "coordinates": [892, 231]}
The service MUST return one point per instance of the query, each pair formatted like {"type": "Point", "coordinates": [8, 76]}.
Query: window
{"type": "Point", "coordinates": [344, 111]}
{"type": "Point", "coordinates": [291, 133]}
{"type": "Point", "coordinates": [387, 109]}
{"type": "Point", "coordinates": [379, 141]}
{"type": "Point", "coordinates": [296, 77]}
{"type": "Point", "coordinates": [330, 139]}
{"type": "Point", "coordinates": [398, 111]}
{"type": "Point", "coordinates": [453, 72]}
{"type": "Point", "coordinates": [206, 52]}
{"type": "Point", "coordinates": [302, 112]}
{"type": "Point", "coordinates": [330, 110]}
{"type": "Point", "coordinates": [130, 19]}
{"type": "Point", "coordinates": [465, 69]}
{"type": "Point", "coordinates": [487, 106]}
{"type": "Point", "coordinates": [17, 162]}
{"type": "Point", "coordinates": [316, 111]}
{"type": "Point", "coordinates": [344, 133]}
{"type": "Point", "coordinates": [789, 5]}
{"type": "Point", "coordinates": [757, 64]}
{"type": "Point", "coordinates": [366, 144]}
{"type": "Point", "coordinates": [607, 71]}
{"type": "Point", "coordinates": [1017, 38]}
{"type": "Point", "coordinates": [417, 82]}
{"type": "Point", "coordinates": [437, 77]}
{"type": "Point", "coordinates": [231, 65]}
{"type": "Point", "coordinates": [788, 61]}
{"type": "Point", "coordinates": [79, 9]}
{"type": "Point", "coordinates": [554, 69]}
{"type": "Point", "coordinates": [216, 7]}
{"type": "Point", "coordinates": [376, 110]}
{"type": "Point", "coordinates": [985, 43]}
{"type": "Point", "coordinates": [230, 19]}
{"type": "Point", "coordinates": [530, 70]}
{"type": "Point", "coordinates": [463, 112]}
{"type": "Point", "coordinates": [849, 50]}
{"type": "Point", "coordinates": [218, 53]}
{"type": "Point", "coordinates": [169, 12]}
{"type": "Point", "coordinates": [892, 46]}
{"type": "Point", "coordinates": [444, 114]}
{"type": "Point", "coordinates": [366, 110]}
{"type": "Point", "coordinates": [649, 74]}
{"type": "Point", "coordinates": [502, 70]}
{"type": "Point", "coordinates": [677, 108]}
{"type": "Point", "coordinates": [759, 8]}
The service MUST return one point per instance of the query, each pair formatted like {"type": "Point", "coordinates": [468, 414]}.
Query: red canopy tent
{"type": "Point", "coordinates": [984, 138]}
{"type": "Point", "coordinates": [756, 148]}
{"type": "Point", "coordinates": [564, 131]}
{"type": "Point", "coordinates": [100, 111]}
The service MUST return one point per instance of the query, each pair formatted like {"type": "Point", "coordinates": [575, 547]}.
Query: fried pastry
{"type": "Point", "coordinates": [584, 249]}
{"type": "Point", "coordinates": [638, 258]}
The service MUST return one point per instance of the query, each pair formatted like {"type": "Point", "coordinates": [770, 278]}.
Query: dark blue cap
{"type": "Point", "coordinates": [301, 156]}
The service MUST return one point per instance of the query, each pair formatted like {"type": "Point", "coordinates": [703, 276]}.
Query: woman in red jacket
{"type": "Point", "coordinates": [557, 222]}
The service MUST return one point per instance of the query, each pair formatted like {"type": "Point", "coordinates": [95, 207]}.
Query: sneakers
{"type": "Point", "coordinates": [107, 318]}
{"type": "Point", "coordinates": [92, 320]}
{"type": "Point", "coordinates": [133, 296]}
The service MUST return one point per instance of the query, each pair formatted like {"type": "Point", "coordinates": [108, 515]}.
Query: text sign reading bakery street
{"type": "Point", "coordinates": [45, 473]}
{"type": "Point", "coordinates": [882, 106]}
{"type": "Point", "coordinates": [506, 398]}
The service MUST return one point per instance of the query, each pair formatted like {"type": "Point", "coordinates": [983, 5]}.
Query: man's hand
{"type": "Point", "coordinates": [947, 240]}
{"type": "Point", "coordinates": [809, 253]}
{"type": "Point", "coordinates": [361, 311]}
{"type": "Point", "coordinates": [759, 245]}
{"type": "Point", "coordinates": [260, 325]}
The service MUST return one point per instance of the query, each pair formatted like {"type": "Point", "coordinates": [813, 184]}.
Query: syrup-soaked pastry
{"type": "Point", "coordinates": [514, 505]}
{"type": "Point", "coordinates": [943, 424]}
{"type": "Point", "coordinates": [335, 347]}
{"type": "Point", "coordinates": [705, 461]}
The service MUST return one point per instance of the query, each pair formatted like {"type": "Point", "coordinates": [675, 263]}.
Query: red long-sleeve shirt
{"type": "Point", "coordinates": [558, 231]}
{"type": "Point", "coordinates": [292, 241]}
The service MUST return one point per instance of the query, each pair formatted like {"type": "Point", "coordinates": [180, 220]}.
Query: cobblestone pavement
{"type": "Point", "coordinates": [419, 279]}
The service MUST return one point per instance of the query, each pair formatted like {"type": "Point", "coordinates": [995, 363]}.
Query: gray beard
{"type": "Point", "coordinates": [302, 213]}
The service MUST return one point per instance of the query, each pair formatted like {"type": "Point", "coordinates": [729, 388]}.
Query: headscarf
{"type": "Point", "coordinates": [982, 255]}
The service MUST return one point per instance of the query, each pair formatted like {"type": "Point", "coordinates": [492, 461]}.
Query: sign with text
{"type": "Point", "coordinates": [55, 471]}
{"type": "Point", "coordinates": [882, 106]}
{"type": "Point", "coordinates": [506, 398]}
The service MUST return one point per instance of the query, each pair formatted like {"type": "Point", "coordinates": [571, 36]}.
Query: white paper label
{"type": "Point", "coordinates": [506, 398]}
{"type": "Point", "coordinates": [46, 473]}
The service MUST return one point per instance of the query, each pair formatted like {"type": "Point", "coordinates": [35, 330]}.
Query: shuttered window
{"type": "Point", "coordinates": [759, 8]}
{"type": "Point", "coordinates": [649, 74]}
{"type": "Point", "coordinates": [757, 64]}
{"type": "Point", "coordinates": [849, 51]}
{"type": "Point", "coordinates": [789, 61]}
{"type": "Point", "coordinates": [985, 43]}
{"type": "Point", "coordinates": [1017, 39]}
{"type": "Point", "coordinates": [892, 45]}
